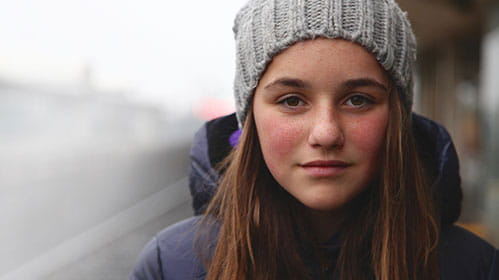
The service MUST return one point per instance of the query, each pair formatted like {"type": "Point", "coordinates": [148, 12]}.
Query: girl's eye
{"type": "Point", "coordinates": [358, 101]}
{"type": "Point", "coordinates": [291, 101]}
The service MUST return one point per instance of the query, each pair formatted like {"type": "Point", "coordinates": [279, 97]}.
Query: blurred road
{"type": "Point", "coordinates": [116, 259]}
{"type": "Point", "coordinates": [87, 214]}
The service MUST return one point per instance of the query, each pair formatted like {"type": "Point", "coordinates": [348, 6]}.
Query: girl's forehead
{"type": "Point", "coordinates": [325, 61]}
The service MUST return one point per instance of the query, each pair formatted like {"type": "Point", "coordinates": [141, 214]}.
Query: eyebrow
{"type": "Point", "coordinates": [363, 82]}
{"type": "Point", "coordinates": [347, 85]}
{"type": "Point", "coordinates": [289, 82]}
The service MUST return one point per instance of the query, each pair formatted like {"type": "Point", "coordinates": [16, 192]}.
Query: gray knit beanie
{"type": "Point", "coordinates": [263, 28]}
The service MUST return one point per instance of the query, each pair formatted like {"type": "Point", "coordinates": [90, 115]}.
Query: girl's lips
{"type": "Point", "coordinates": [325, 163]}
{"type": "Point", "coordinates": [325, 168]}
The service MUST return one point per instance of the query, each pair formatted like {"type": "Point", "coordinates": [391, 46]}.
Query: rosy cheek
{"type": "Point", "coordinates": [278, 138]}
{"type": "Point", "coordinates": [369, 133]}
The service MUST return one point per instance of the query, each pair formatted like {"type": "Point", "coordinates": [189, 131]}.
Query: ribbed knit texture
{"type": "Point", "coordinates": [263, 28]}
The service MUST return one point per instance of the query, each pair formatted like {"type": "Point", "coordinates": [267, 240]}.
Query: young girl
{"type": "Point", "coordinates": [331, 177]}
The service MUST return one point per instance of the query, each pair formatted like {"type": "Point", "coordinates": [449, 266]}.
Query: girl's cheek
{"type": "Point", "coordinates": [369, 133]}
{"type": "Point", "coordinates": [279, 137]}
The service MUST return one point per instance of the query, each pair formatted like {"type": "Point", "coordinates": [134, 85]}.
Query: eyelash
{"type": "Point", "coordinates": [286, 99]}
{"type": "Point", "coordinates": [366, 101]}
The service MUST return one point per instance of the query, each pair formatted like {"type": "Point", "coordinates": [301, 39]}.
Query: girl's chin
{"type": "Point", "coordinates": [324, 205]}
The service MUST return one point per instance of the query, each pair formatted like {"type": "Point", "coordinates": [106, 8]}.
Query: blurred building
{"type": "Point", "coordinates": [75, 117]}
{"type": "Point", "coordinates": [81, 168]}
{"type": "Point", "coordinates": [457, 85]}
{"type": "Point", "coordinates": [490, 121]}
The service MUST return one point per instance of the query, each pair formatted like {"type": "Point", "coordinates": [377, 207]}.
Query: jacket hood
{"type": "Point", "coordinates": [216, 138]}
{"type": "Point", "coordinates": [439, 154]}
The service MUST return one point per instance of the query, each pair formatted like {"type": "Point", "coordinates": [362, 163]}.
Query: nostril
{"type": "Point", "coordinates": [326, 134]}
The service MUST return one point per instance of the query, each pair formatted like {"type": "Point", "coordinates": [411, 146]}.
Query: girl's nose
{"type": "Point", "coordinates": [326, 131]}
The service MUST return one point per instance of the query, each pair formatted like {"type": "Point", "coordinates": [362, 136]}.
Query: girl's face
{"type": "Point", "coordinates": [321, 113]}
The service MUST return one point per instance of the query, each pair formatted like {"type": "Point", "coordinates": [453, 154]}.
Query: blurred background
{"type": "Point", "coordinates": [99, 101]}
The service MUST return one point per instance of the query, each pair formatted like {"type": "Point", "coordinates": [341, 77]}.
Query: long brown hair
{"type": "Point", "coordinates": [391, 233]}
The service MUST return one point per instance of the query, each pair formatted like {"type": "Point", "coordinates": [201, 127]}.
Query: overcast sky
{"type": "Point", "coordinates": [167, 52]}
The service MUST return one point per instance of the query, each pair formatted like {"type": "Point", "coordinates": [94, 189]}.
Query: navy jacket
{"type": "Point", "coordinates": [171, 255]}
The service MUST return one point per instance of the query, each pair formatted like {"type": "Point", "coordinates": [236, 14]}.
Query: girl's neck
{"type": "Point", "coordinates": [325, 223]}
